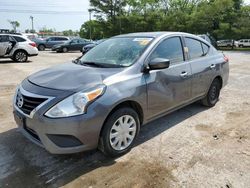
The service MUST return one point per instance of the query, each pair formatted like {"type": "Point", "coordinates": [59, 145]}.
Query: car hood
{"type": "Point", "coordinates": [72, 77]}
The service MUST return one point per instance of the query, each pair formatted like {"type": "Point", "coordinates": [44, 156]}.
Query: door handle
{"type": "Point", "coordinates": [212, 66]}
{"type": "Point", "coordinates": [184, 74]}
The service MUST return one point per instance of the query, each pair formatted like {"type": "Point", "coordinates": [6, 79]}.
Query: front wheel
{"type": "Point", "coordinates": [119, 132]}
{"type": "Point", "coordinates": [41, 47]}
{"type": "Point", "coordinates": [213, 94]}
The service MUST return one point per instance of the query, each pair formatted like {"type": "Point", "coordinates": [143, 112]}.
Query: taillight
{"type": "Point", "coordinates": [32, 44]}
{"type": "Point", "coordinates": [226, 59]}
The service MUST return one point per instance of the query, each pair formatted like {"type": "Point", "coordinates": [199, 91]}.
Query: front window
{"type": "Point", "coordinates": [116, 52]}
{"type": "Point", "coordinates": [170, 49]}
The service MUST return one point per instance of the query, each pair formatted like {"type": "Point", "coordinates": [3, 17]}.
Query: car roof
{"type": "Point", "coordinates": [15, 35]}
{"type": "Point", "coordinates": [152, 34]}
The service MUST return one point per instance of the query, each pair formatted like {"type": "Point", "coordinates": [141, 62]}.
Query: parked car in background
{"type": "Point", "coordinates": [30, 36]}
{"type": "Point", "coordinates": [50, 42]}
{"type": "Point", "coordinates": [244, 43]}
{"type": "Point", "coordinates": [103, 99]}
{"type": "Point", "coordinates": [72, 45]}
{"type": "Point", "coordinates": [16, 47]}
{"type": "Point", "coordinates": [227, 43]}
{"type": "Point", "coordinates": [88, 47]}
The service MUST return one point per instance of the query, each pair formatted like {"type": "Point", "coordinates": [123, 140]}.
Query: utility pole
{"type": "Point", "coordinates": [32, 24]}
{"type": "Point", "coordinates": [90, 29]}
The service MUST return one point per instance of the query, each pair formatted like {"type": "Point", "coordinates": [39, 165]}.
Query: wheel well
{"type": "Point", "coordinates": [132, 104]}
{"type": "Point", "coordinates": [220, 80]}
{"type": "Point", "coordinates": [20, 50]}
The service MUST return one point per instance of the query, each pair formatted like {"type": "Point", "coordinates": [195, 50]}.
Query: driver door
{"type": "Point", "coordinates": [74, 44]}
{"type": "Point", "coordinates": [171, 87]}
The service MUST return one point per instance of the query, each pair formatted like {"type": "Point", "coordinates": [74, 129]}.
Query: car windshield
{"type": "Point", "coordinates": [116, 52]}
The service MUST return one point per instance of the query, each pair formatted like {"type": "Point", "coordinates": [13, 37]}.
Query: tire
{"type": "Point", "coordinates": [41, 47]}
{"type": "Point", "coordinates": [213, 94]}
{"type": "Point", "coordinates": [114, 130]}
{"type": "Point", "coordinates": [64, 50]}
{"type": "Point", "coordinates": [20, 56]}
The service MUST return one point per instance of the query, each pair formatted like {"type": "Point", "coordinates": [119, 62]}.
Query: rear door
{"type": "Point", "coordinates": [4, 44]}
{"type": "Point", "coordinates": [248, 43]}
{"type": "Point", "coordinates": [171, 87]}
{"type": "Point", "coordinates": [203, 66]}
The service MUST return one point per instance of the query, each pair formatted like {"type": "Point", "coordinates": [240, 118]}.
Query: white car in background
{"type": "Point", "coordinates": [16, 47]}
{"type": "Point", "coordinates": [244, 43]}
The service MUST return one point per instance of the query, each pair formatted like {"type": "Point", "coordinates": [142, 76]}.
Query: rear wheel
{"type": "Point", "coordinates": [119, 132]}
{"type": "Point", "coordinates": [64, 49]}
{"type": "Point", "coordinates": [213, 94]}
{"type": "Point", "coordinates": [20, 56]}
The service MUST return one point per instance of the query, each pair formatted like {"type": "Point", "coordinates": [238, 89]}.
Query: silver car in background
{"type": "Point", "coordinates": [102, 99]}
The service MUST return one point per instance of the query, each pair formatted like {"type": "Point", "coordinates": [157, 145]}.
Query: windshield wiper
{"type": "Point", "coordinates": [89, 63]}
{"type": "Point", "coordinates": [104, 65]}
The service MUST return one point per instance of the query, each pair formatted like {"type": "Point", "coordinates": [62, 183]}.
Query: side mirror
{"type": "Point", "coordinates": [159, 63]}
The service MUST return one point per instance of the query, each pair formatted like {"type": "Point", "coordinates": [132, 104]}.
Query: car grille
{"type": "Point", "coordinates": [27, 104]}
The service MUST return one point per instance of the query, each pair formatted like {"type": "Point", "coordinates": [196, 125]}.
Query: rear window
{"type": "Point", "coordinates": [19, 39]}
{"type": "Point", "coordinates": [194, 48]}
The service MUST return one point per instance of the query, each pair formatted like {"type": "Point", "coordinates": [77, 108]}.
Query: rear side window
{"type": "Point", "coordinates": [19, 39]}
{"type": "Point", "coordinates": [169, 49]}
{"type": "Point", "coordinates": [194, 48]}
{"type": "Point", "coordinates": [61, 38]}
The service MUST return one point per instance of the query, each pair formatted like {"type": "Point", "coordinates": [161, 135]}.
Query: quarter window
{"type": "Point", "coordinates": [194, 48]}
{"type": "Point", "coordinates": [169, 49]}
{"type": "Point", "coordinates": [205, 48]}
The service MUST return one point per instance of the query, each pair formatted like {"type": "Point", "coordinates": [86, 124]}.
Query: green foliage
{"type": "Point", "coordinates": [223, 19]}
{"type": "Point", "coordinates": [70, 33]}
{"type": "Point", "coordinates": [14, 24]}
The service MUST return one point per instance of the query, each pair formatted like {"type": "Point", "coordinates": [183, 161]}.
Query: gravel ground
{"type": "Point", "coordinates": [192, 147]}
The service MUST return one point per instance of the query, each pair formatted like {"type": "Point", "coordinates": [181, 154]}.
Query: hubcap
{"type": "Point", "coordinates": [213, 93]}
{"type": "Point", "coordinates": [20, 56]}
{"type": "Point", "coordinates": [122, 132]}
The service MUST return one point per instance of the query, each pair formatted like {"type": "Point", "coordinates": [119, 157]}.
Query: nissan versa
{"type": "Point", "coordinates": [102, 99]}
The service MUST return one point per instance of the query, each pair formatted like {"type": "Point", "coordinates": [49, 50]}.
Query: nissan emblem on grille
{"type": "Point", "coordinates": [19, 100]}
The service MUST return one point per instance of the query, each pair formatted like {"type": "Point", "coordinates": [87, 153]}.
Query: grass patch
{"type": "Point", "coordinates": [234, 49]}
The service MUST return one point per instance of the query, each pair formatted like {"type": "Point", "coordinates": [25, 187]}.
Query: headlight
{"type": "Point", "coordinates": [74, 104]}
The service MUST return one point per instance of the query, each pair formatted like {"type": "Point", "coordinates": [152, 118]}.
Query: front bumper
{"type": "Point", "coordinates": [61, 135]}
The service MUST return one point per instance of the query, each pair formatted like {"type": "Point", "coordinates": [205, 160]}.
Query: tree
{"type": "Point", "coordinates": [223, 19]}
{"type": "Point", "coordinates": [97, 30]}
{"type": "Point", "coordinates": [14, 24]}
{"type": "Point", "coordinates": [30, 31]}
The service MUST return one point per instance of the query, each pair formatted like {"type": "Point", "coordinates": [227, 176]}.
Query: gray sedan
{"type": "Point", "coordinates": [102, 99]}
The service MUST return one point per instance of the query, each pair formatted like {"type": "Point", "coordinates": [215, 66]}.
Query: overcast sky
{"type": "Point", "coordinates": [57, 14]}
